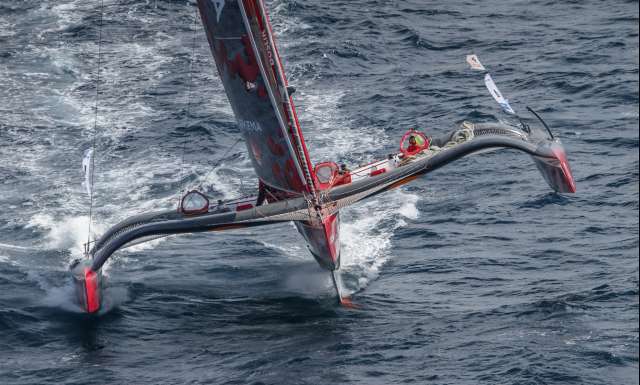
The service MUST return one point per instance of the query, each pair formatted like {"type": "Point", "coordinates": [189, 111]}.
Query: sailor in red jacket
{"type": "Point", "coordinates": [413, 146]}
{"type": "Point", "coordinates": [344, 176]}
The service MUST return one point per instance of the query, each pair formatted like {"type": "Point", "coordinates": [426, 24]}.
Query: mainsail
{"type": "Point", "coordinates": [242, 44]}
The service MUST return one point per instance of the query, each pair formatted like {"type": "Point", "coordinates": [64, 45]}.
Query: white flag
{"type": "Point", "coordinates": [497, 95]}
{"type": "Point", "coordinates": [474, 62]}
{"type": "Point", "coordinates": [87, 167]}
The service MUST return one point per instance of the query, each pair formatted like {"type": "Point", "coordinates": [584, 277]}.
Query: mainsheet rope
{"type": "Point", "coordinates": [222, 158]}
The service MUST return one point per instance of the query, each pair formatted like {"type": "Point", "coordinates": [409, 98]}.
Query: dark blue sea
{"type": "Point", "coordinates": [475, 274]}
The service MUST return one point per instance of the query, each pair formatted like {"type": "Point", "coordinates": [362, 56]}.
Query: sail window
{"type": "Point", "coordinates": [413, 142]}
{"type": "Point", "coordinates": [326, 173]}
{"type": "Point", "coordinates": [194, 202]}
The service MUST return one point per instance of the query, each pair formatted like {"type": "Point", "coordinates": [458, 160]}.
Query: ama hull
{"type": "Point", "coordinates": [323, 240]}
{"type": "Point", "coordinates": [88, 285]}
{"type": "Point", "coordinates": [555, 169]}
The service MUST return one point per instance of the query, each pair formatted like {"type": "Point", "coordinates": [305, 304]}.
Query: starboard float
{"type": "Point", "coordinates": [291, 188]}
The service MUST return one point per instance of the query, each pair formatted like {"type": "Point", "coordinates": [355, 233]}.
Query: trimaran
{"type": "Point", "coordinates": [291, 188]}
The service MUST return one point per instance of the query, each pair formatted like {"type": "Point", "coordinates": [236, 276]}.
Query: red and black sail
{"type": "Point", "coordinates": [242, 44]}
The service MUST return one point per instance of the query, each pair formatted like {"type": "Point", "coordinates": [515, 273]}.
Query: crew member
{"type": "Point", "coordinates": [413, 146]}
{"type": "Point", "coordinates": [344, 175]}
{"type": "Point", "coordinates": [221, 207]}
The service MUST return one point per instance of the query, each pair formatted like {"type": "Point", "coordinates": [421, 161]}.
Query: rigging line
{"type": "Point", "coordinates": [95, 124]}
{"type": "Point", "coordinates": [184, 143]}
{"type": "Point", "coordinates": [223, 157]}
{"type": "Point", "coordinates": [230, 148]}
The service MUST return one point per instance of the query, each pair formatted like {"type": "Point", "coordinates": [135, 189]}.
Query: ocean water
{"type": "Point", "coordinates": [475, 274]}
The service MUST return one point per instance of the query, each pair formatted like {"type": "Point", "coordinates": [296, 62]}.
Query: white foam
{"type": "Point", "coordinates": [70, 233]}
{"type": "Point", "coordinates": [365, 243]}
{"type": "Point", "coordinates": [66, 233]}
{"type": "Point", "coordinates": [409, 208]}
